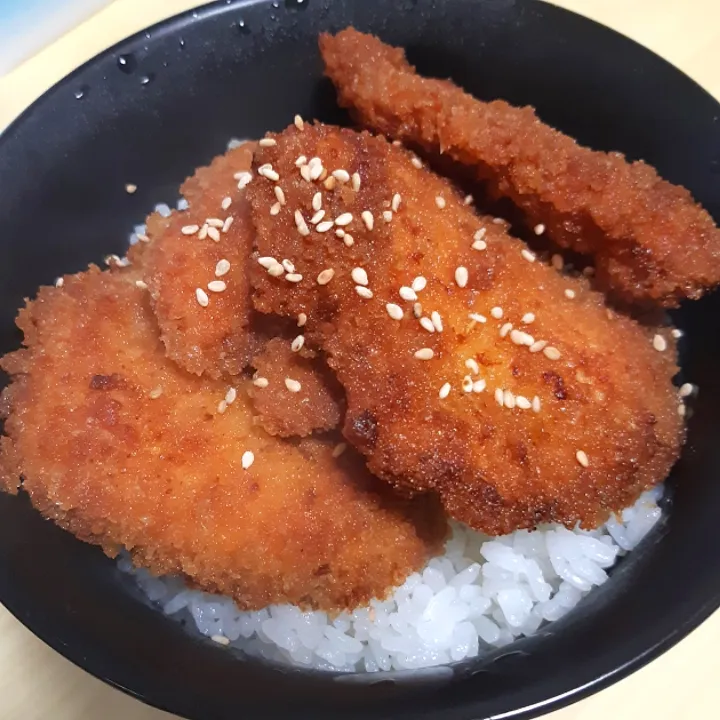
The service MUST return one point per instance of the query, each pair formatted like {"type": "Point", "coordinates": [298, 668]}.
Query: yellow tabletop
{"type": "Point", "coordinates": [38, 684]}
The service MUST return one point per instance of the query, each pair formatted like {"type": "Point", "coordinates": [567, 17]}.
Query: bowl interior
{"type": "Point", "coordinates": [178, 94]}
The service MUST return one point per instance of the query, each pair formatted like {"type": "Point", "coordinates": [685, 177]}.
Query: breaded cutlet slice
{"type": "Point", "coordinates": [651, 242]}
{"type": "Point", "coordinates": [471, 369]}
{"type": "Point", "coordinates": [123, 448]}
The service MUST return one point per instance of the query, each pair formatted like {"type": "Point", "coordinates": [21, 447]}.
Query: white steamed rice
{"type": "Point", "coordinates": [481, 594]}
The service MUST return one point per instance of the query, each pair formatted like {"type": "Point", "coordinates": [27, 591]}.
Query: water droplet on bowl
{"type": "Point", "coordinates": [147, 79]}
{"type": "Point", "coordinates": [127, 63]}
{"type": "Point", "coordinates": [148, 35]}
{"type": "Point", "coordinates": [181, 43]}
{"type": "Point", "coordinates": [276, 4]}
{"type": "Point", "coordinates": [296, 4]}
{"type": "Point", "coordinates": [243, 27]}
{"type": "Point", "coordinates": [81, 92]}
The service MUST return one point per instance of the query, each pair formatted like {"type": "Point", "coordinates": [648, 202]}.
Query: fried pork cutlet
{"type": "Point", "coordinates": [651, 242]}
{"type": "Point", "coordinates": [196, 273]}
{"type": "Point", "coordinates": [123, 448]}
{"type": "Point", "coordinates": [470, 368]}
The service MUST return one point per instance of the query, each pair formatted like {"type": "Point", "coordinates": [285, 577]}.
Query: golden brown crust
{"type": "Point", "coordinates": [213, 339]}
{"type": "Point", "coordinates": [163, 476]}
{"type": "Point", "coordinates": [315, 406]}
{"type": "Point", "coordinates": [609, 394]}
{"type": "Point", "coordinates": [651, 241]}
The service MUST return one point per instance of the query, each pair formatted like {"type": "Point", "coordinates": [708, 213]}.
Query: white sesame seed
{"type": "Point", "coordinates": [324, 226]}
{"type": "Point", "coordinates": [213, 234]}
{"type": "Point", "coordinates": [302, 319]}
{"type": "Point", "coordinates": [461, 276]}
{"type": "Point", "coordinates": [325, 276]}
{"type": "Point", "coordinates": [479, 385]}
{"type": "Point", "coordinates": [261, 382]}
{"type": "Point", "coordinates": [330, 183]}
{"type": "Point", "coordinates": [424, 354]}
{"type": "Point", "coordinates": [267, 142]}
{"type": "Point", "coordinates": [305, 172]}
{"type": "Point", "coordinates": [416, 162]}
{"type": "Point", "coordinates": [509, 399]}
{"type": "Point", "coordinates": [537, 346]}
{"type": "Point", "coordinates": [686, 389]}
{"type": "Point", "coordinates": [467, 384]}
{"type": "Point", "coordinates": [551, 353]}
{"type": "Point", "coordinates": [476, 317]}
{"type": "Point", "coordinates": [302, 160]}
{"type": "Point", "coordinates": [497, 312]}
{"type": "Point", "coordinates": [505, 329]}
{"type": "Point", "coordinates": [387, 215]}
{"type": "Point", "coordinates": [522, 402]}
{"type": "Point", "coordinates": [341, 175]}
{"type": "Point", "coordinates": [340, 232]}
{"type": "Point", "coordinates": [299, 123]}
{"type": "Point", "coordinates": [275, 209]}
{"type": "Point", "coordinates": [316, 168]}
{"type": "Point", "coordinates": [220, 639]}
{"type": "Point", "coordinates": [471, 364]}
{"type": "Point", "coordinates": [368, 219]}
{"type": "Point", "coordinates": [681, 410]}
{"type": "Point", "coordinates": [479, 245]}
{"type": "Point", "coordinates": [297, 343]}
{"type": "Point", "coordinates": [539, 229]}
{"type": "Point", "coordinates": [498, 221]}
{"type": "Point", "coordinates": [270, 174]}
{"type": "Point", "coordinates": [131, 188]}
{"type": "Point", "coordinates": [359, 276]}
{"type": "Point", "coordinates": [582, 458]}
{"type": "Point", "coordinates": [189, 229]}
{"type": "Point", "coordinates": [557, 262]}
{"type": "Point", "coordinates": [659, 343]}
{"type": "Point", "coordinates": [288, 265]}
{"type": "Point", "coordinates": [339, 449]}
{"type": "Point", "coordinates": [517, 337]}
{"type": "Point", "coordinates": [317, 201]}
{"type": "Point", "coordinates": [294, 277]}
{"type": "Point", "coordinates": [202, 298]}
{"type": "Point", "coordinates": [364, 292]}
{"type": "Point", "coordinates": [228, 222]}
{"type": "Point", "coordinates": [138, 283]}
{"type": "Point", "coordinates": [267, 262]}
{"type": "Point", "coordinates": [226, 203]}
{"type": "Point", "coordinates": [348, 240]}
{"type": "Point", "coordinates": [419, 284]}
{"type": "Point", "coordinates": [427, 324]}
{"type": "Point", "coordinates": [155, 393]}
{"type": "Point", "coordinates": [344, 219]}
{"type": "Point", "coordinates": [569, 294]}
{"type": "Point", "coordinates": [394, 311]}
{"type": "Point", "coordinates": [444, 391]}
{"type": "Point", "coordinates": [440, 201]}
{"type": "Point", "coordinates": [417, 310]}
{"type": "Point", "coordinates": [244, 179]}
{"type": "Point", "coordinates": [143, 238]}
{"type": "Point", "coordinates": [468, 200]}
{"type": "Point", "coordinates": [436, 320]}
{"type": "Point", "coordinates": [480, 234]}
{"type": "Point", "coordinates": [214, 222]}
{"type": "Point", "coordinates": [397, 143]}
{"type": "Point", "coordinates": [407, 293]}
{"type": "Point", "coordinates": [528, 318]}
{"type": "Point", "coordinates": [529, 256]}
{"type": "Point", "coordinates": [230, 396]}
{"type": "Point", "coordinates": [317, 217]}
{"type": "Point", "coordinates": [61, 281]}
{"type": "Point", "coordinates": [536, 404]}
{"type": "Point", "coordinates": [677, 334]}
{"type": "Point", "coordinates": [499, 397]}
{"type": "Point", "coordinates": [302, 227]}
{"type": "Point", "coordinates": [292, 385]}
{"type": "Point", "coordinates": [248, 458]}
{"type": "Point", "coordinates": [279, 194]}
{"type": "Point", "coordinates": [356, 181]}
{"type": "Point", "coordinates": [217, 286]}
{"type": "Point", "coordinates": [395, 203]}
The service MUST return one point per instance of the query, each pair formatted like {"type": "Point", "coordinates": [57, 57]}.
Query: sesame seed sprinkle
{"type": "Point", "coordinates": [213, 234]}
{"type": "Point", "coordinates": [325, 276]}
{"type": "Point", "coordinates": [468, 200]}
{"type": "Point", "coordinates": [368, 219]}
{"type": "Point", "coordinates": [364, 292]}
{"type": "Point", "coordinates": [143, 238]}
{"type": "Point", "coordinates": [270, 174]}
{"type": "Point", "coordinates": [528, 255]}
{"type": "Point", "coordinates": [424, 354]}
{"type": "Point", "coordinates": [293, 277]}
{"type": "Point", "coordinates": [582, 458]}
{"type": "Point", "coordinates": [341, 175]}
{"type": "Point", "coordinates": [419, 284]}
{"type": "Point", "coordinates": [61, 281]}
{"type": "Point", "coordinates": [416, 162]}
{"type": "Point", "coordinates": [569, 294]}
{"type": "Point", "coordinates": [217, 286]}
{"type": "Point", "coordinates": [479, 245]}
{"type": "Point", "coordinates": [248, 458]}
{"type": "Point", "coordinates": [407, 293]}
{"type": "Point", "coordinates": [214, 222]}
{"type": "Point", "coordinates": [505, 329]}
{"type": "Point", "coordinates": [131, 188]}
{"type": "Point", "coordinates": [444, 391]}
{"type": "Point", "coordinates": [299, 123]}
{"type": "Point", "coordinates": [155, 393]}
{"type": "Point", "coordinates": [436, 320]}
{"type": "Point", "coordinates": [292, 385]}
{"type": "Point", "coordinates": [276, 270]}
{"type": "Point", "coordinates": [539, 229]}
{"type": "Point", "coordinates": [244, 179]}
{"type": "Point", "coordinates": [499, 396]}
{"type": "Point", "coordinates": [138, 283]}
{"type": "Point", "coordinates": [267, 262]}
{"type": "Point", "coordinates": [518, 337]}
{"type": "Point", "coordinates": [496, 312]}
{"type": "Point", "coordinates": [427, 324]}
{"type": "Point", "coordinates": [339, 449]}
{"type": "Point", "coordinates": [317, 201]}
{"type": "Point", "coordinates": [302, 227]}
{"type": "Point", "coordinates": [344, 219]}
{"type": "Point", "coordinates": [340, 232]}
{"type": "Point", "coordinates": [681, 410]}
{"type": "Point", "coordinates": [202, 297]}
{"type": "Point", "coordinates": [324, 226]}
{"type": "Point", "coordinates": [267, 142]}
{"type": "Point", "coordinates": [461, 276]}
{"type": "Point", "coordinates": [330, 183]}
{"type": "Point", "coordinates": [189, 229]}
{"type": "Point", "coordinates": [537, 346]}
{"type": "Point", "coordinates": [226, 203]}
{"type": "Point", "coordinates": [476, 317]}
{"type": "Point", "coordinates": [396, 200]}
{"type": "Point", "coordinates": [394, 311]}
{"type": "Point", "coordinates": [659, 343]}
{"type": "Point", "coordinates": [387, 215]}
{"type": "Point", "coordinates": [222, 267]}
{"type": "Point", "coordinates": [471, 364]}
{"type": "Point", "coordinates": [301, 160]}
{"type": "Point", "coordinates": [230, 396]}
{"type": "Point", "coordinates": [479, 385]}
{"type": "Point", "coordinates": [522, 402]}
{"type": "Point", "coordinates": [288, 265]}
{"type": "Point", "coordinates": [261, 382]}
{"type": "Point", "coordinates": [686, 389]}
{"type": "Point", "coordinates": [297, 343]}
{"type": "Point", "coordinates": [279, 194]}
{"type": "Point", "coordinates": [302, 319]}
{"type": "Point", "coordinates": [275, 209]}
{"type": "Point", "coordinates": [551, 353]}
{"type": "Point", "coordinates": [677, 334]}
{"type": "Point", "coordinates": [417, 310]}
{"type": "Point", "coordinates": [317, 217]}
{"type": "Point", "coordinates": [359, 276]}
{"type": "Point", "coordinates": [528, 318]}
{"type": "Point", "coordinates": [508, 399]}
{"type": "Point", "coordinates": [440, 202]}
{"type": "Point", "coordinates": [348, 240]}
{"type": "Point", "coordinates": [305, 173]}
{"type": "Point", "coordinates": [228, 222]}
{"type": "Point", "coordinates": [536, 404]}
{"type": "Point", "coordinates": [467, 384]}
{"type": "Point", "coordinates": [356, 181]}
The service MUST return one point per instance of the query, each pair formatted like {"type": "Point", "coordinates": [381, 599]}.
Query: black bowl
{"type": "Point", "coordinates": [151, 109]}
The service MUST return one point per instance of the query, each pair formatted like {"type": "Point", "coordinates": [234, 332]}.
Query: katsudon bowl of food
{"type": "Point", "coordinates": [361, 359]}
